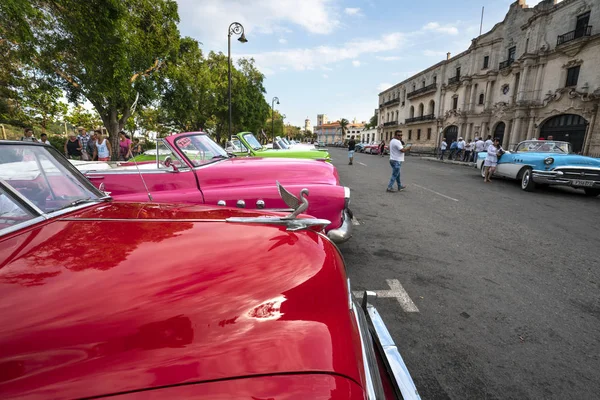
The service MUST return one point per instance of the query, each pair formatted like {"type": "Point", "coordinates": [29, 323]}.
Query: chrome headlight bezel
{"type": "Point", "coordinates": [548, 161]}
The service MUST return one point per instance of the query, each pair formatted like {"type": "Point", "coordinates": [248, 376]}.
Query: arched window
{"type": "Point", "coordinates": [421, 109]}
{"type": "Point", "coordinates": [434, 79]}
{"type": "Point", "coordinates": [481, 98]}
{"type": "Point", "coordinates": [431, 107]}
{"type": "Point", "coordinates": [396, 116]}
{"type": "Point", "coordinates": [388, 118]}
{"type": "Point", "coordinates": [423, 83]}
{"type": "Point", "coordinates": [412, 112]}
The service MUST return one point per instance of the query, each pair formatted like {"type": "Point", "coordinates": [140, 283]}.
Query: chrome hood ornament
{"type": "Point", "coordinates": [299, 205]}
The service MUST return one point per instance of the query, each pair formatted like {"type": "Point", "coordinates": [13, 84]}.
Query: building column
{"type": "Point", "coordinates": [530, 129]}
{"type": "Point", "coordinates": [469, 131]}
{"type": "Point", "coordinates": [483, 132]}
{"type": "Point", "coordinates": [473, 100]}
{"type": "Point", "coordinates": [590, 131]}
{"type": "Point", "coordinates": [523, 84]}
{"type": "Point", "coordinates": [468, 89]}
{"type": "Point", "coordinates": [517, 130]}
{"type": "Point", "coordinates": [488, 93]}
{"type": "Point", "coordinates": [537, 90]}
{"type": "Point", "coordinates": [507, 134]}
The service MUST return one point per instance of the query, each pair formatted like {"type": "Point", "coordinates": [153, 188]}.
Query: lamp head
{"type": "Point", "coordinates": [243, 38]}
{"type": "Point", "coordinates": [277, 101]}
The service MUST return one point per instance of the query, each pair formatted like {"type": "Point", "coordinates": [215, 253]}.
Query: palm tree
{"type": "Point", "coordinates": [343, 124]}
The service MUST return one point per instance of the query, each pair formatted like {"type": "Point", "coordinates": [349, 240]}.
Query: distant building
{"type": "Point", "coordinates": [534, 74]}
{"type": "Point", "coordinates": [322, 119]}
{"type": "Point", "coordinates": [332, 132]}
{"type": "Point", "coordinates": [307, 125]}
{"type": "Point", "coordinates": [370, 135]}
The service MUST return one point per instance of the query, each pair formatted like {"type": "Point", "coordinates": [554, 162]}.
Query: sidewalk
{"type": "Point", "coordinates": [466, 164]}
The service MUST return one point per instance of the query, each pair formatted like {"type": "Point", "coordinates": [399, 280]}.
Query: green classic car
{"type": "Point", "coordinates": [246, 144]}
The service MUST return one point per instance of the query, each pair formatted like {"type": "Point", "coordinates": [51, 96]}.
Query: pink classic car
{"type": "Point", "coordinates": [123, 300]}
{"type": "Point", "coordinates": [192, 168]}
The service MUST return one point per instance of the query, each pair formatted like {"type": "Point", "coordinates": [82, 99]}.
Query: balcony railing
{"type": "Point", "coordinates": [506, 64]}
{"type": "Point", "coordinates": [576, 34]}
{"type": "Point", "coordinates": [392, 102]}
{"type": "Point", "coordinates": [390, 123]}
{"type": "Point", "coordinates": [427, 117]}
{"type": "Point", "coordinates": [453, 80]}
{"type": "Point", "coordinates": [423, 90]}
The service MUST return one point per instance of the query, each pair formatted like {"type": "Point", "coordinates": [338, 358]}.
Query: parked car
{"type": "Point", "coordinates": [372, 148]}
{"type": "Point", "coordinates": [544, 163]}
{"type": "Point", "coordinates": [246, 144]}
{"type": "Point", "coordinates": [320, 144]}
{"type": "Point", "coordinates": [360, 147]}
{"type": "Point", "coordinates": [198, 171]}
{"type": "Point", "coordinates": [292, 144]}
{"type": "Point", "coordinates": [144, 300]}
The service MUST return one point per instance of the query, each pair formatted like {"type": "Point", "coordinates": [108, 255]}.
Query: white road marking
{"type": "Point", "coordinates": [397, 291]}
{"type": "Point", "coordinates": [433, 191]}
{"type": "Point", "coordinates": [355, 221]}
{"type": "Point", "coordinates": [361, 163]}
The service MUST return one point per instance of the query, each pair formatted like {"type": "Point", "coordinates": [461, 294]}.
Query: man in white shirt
{"type": "Point", "coordinates": [443, 148]}
{"type": "Point", "coordinates": [397, 151]}
{"type": "Point", "coordinates": [479, 145]}
{"type": "Point", "coordinates": [461, 149]}
{"type": "Point", "coordinates": [487, 143]}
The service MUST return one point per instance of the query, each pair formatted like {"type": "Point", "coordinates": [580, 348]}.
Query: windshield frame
{"type": "Point", "coordinates": [249, 143]}
{"type": "Point", "coordinates": [556, 143]}
{"type": "Point", "coordinates": [190, 162]}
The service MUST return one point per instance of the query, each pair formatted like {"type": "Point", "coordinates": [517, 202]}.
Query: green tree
{"type": "Point", "coordinates": [109, 52]}
{"type": "Point", "coordinates": [343, 125]}
{"type": "Point", "coordinates": [40, 101]}
{"type": "Point", "coordinates": [79, 116]}
{"type": "Point", "coordinates": [373, 123]}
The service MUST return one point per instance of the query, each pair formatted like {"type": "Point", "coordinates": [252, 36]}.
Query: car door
{"type": "Point", "coordinates": [509, 165]}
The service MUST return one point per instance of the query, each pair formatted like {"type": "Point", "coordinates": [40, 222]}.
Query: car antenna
{"type": "Point", "coordinates": [142, 177]}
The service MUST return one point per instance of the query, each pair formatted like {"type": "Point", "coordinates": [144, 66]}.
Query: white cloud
{"type": "Point", "coordinates": [325, 76]}
{"type": "Point", "coordinates": [436, 27]}
{"type": "Point", "coordinates": [384, 86]}
{"type": "Point", "coordinates": [259, 17]}
{"type": "Point", "coordinates": [282, 41]}
{"type": "Point", "coordinates": [310, 58]}
{"type": "Point", "coordinates": [432, 53]}
{"type": "Point", "coordinates": [356, 63]}
{"type": "Point", "coordinates": [352, 11]}
{"type": "Point", "coordinates": [388, 58]}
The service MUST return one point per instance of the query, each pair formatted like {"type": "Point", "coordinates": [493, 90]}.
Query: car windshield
{"type": "Point", "coordinates": [43, 177]}
{"type": "Point", "coordinates": [252, 141]}
{"type": "Point", "coordinates": [544, 146]}
{"type": "Point", "coordinates": [282, 144]}
{"type": "Point", "coordinates": [200, 149]}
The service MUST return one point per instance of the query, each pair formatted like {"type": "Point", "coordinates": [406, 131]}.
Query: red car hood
{"type": "Point", "coordinates": [250, 171]}
{"type": "Point", "coordinates": [96, 303]}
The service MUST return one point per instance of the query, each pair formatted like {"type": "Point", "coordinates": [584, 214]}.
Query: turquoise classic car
{"type": "Point", "coordinates": [547, 162]}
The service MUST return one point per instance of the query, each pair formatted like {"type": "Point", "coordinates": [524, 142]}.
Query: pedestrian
{"type": "Point", "coordinates": [467, 156]}
{"type": "Point", "coordinates": [103, 149]}
{"type": "Point", "coordinates": [382, 148]}
{"type": "Point", "coordinates": [124, 146]}
{"type": "Point", "coordinates": [44, 139]}
{"type": "Point", "coordinates": [493, 152]}
{"type": "Point", "coordinates": [487, 143]}
{"type": "Point", "coordinates": [137, 147]}
{"type": "Point", "coordinates": [479, 144]}
{"type": "Point", "coordinates": [73, 148]}
{"type": "Point", "coordinates": [28, 136]}
{"type": "Point", "coordinates": [397, 151]}
{"type": "Point", "coordinates": [351, 147]}
{"type": "Point", "coordinates": [461, 149]}
{"type": "Point", "coordinates": [453, 148]}
{"type": "Point", "coordinates": [443, 147]}
{"type": "Point", "coordinates": [84, 138]}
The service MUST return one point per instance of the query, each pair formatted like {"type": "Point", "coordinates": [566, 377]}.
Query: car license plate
{"type": "Point", "coordinates": [582, 183]}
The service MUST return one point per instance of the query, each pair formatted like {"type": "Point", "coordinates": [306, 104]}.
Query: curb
{"type": "Point", "coordinates": [464, 164]}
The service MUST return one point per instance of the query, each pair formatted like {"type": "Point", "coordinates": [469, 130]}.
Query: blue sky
{"type": "Point", "coordinates": [335, 56]}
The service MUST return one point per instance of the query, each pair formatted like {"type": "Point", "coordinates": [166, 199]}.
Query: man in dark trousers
{"type": "Point", "coordinates": [351, 146]}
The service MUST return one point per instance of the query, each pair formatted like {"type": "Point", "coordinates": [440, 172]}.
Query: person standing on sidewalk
{"type": "Point", "coordinates": [443, 147]}
{"type": "Point", "coordinates": [453, 148]}
{"type": "Point", "coordinates": [468, 147]}
{"type": "Point", "coordinates": [397, 151]}
{"type": "Point", "coordinates": [479, 144]}
{"type": "Point", "coordinates": [351, 147]}
{"type": "Point", "coordinates": [487, 143]}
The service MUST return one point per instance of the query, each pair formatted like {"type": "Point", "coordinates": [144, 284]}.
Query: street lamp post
{"type": "Point", "coordinates": [237, 29]}
{"type": "Point", "coordinates": [273, 116]}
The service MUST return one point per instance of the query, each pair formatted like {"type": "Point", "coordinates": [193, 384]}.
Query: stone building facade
{"type": "Point", "coordinates": [535, 74]}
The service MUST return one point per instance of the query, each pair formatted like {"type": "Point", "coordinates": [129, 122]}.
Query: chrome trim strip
{"type": "Point", "coordinates": [142, 219]}
{"type": "Point", "coordinates": [344, 232]}
{"type": "Point", "coordinates": [399, 374]}
{"type": "Point", "coordinates": [373, 385]}
{"type": "Point", "coordinates": [22, 225]}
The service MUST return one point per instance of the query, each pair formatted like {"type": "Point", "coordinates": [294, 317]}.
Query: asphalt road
{"type": "Point", "coordinates": [506, 282]}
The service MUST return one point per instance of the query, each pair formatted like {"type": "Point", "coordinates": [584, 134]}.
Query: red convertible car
{"type": "Point", "coordinates": [102, 298]}
{"type": "Point", "coordinates": [192, 168]}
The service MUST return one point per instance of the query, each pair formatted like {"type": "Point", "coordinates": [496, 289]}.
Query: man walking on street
{"type": "Point", "coordinates": [443, 148]}
{"type": "Point", "coordinates": [351, 147]}
{"type": "Point", "coordinates": [397, 151]}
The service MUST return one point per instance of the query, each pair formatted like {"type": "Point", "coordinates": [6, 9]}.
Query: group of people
{"type": "Point", "coordinates": [397, 151]}
{"type": "Point", "coordinates": [91, 147]}
{"type": "Point", "coordinates": [465, 150]}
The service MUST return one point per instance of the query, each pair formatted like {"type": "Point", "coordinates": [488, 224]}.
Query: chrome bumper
{"type": "Point", "coordinates": [398, 374]}
{"type": "Point", "coordinates": [556, 178]}
{"type": "Point", "coordinates": [344, 232]}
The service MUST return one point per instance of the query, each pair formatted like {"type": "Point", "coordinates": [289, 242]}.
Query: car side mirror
{"type": "Point", "coordinates": [168, 162]}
